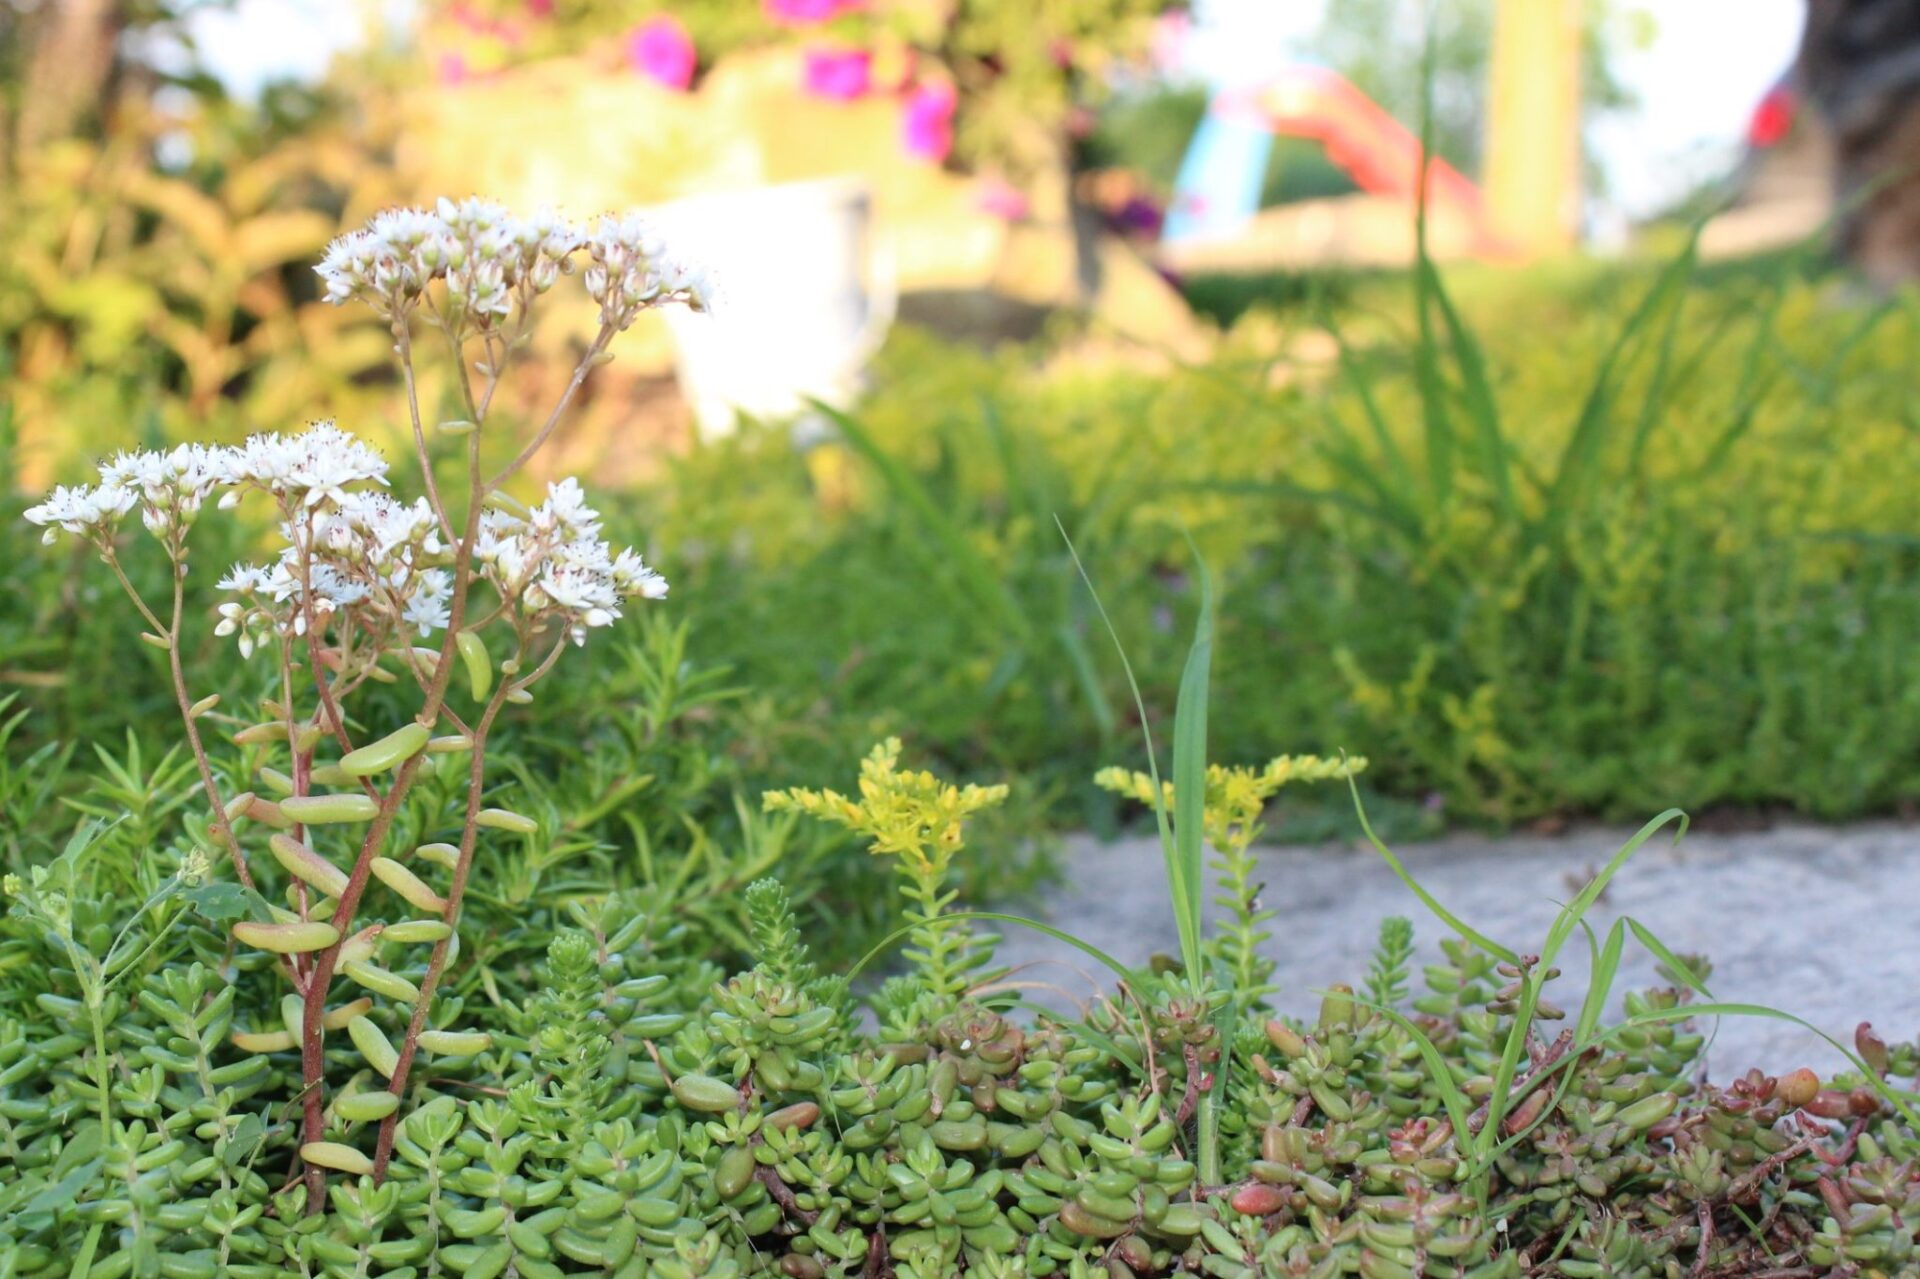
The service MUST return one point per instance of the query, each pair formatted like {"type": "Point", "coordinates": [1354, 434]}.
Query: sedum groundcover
{"type": "Point", "coordinates": [325, 1011]}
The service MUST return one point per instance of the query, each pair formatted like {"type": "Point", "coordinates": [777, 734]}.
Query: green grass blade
{"type": "Point", "coordinates": [1436, 418]}
{"type": "Point", "coordinates": [1432, 903]}
{"type": "Point", "coordinates": [1459, 1107]}
{"type": "Point", "coordinates": [1683, 972]}
{"type": "Point", "coordinates": [1575, 910]}
{"type": "Point", "coordinates": [1483, 410]}
{"type": "Point", "coordinates": [950, 543]}
{"type": "Point", "coordinates": [1190, 780]}
{"type": "Point", "coordinates": [1139, 703]}
{"type": "Point", "coordinates": [1582, 452]}
{"type": "Point", "coordinates": [1606, 965]}
{"type": "Point", "coordinates": [1087, 677]}
{"type": "Point", "coordinates": [1903, 1102]}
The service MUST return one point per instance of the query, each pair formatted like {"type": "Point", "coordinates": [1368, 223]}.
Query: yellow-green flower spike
{"type": "Point", "coordinates": [391, 751]}
{"type": "Point", "coordinates": [373, 1045]}
{"type": "Point", "coordinates": [380, 981]}
{"type": "Point", "coordinates": [417, 930]}
{"type": "Point", "coordinates": [263, 1041]}
{"type": "Point", "coordinates": [439, 854]}
{"type": "Point", "coordinates": [331, 1154]}
{"type": "Point", "coordinates": [366, 1107]}
{"type": "Point", "coordinates": [327, 810]}
{"type": "Point", "coordinates": [455, 1043]}
{"type": "Point", "coordinates": [286, 939]}
{"type": "Point", "coordinates": [408, 885]}
{"type": "Point", "coordinates": [304, 864]}
{"type": "Point", "coordinates": [507, 820]}
{"type": "Point", "coordinates": [909, 814]}
{"type": "Point", "coordinates": [479, 663]}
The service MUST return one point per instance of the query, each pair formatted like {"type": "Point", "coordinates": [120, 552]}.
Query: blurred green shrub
{"type": "Point", "coordinates": [1651, 545]}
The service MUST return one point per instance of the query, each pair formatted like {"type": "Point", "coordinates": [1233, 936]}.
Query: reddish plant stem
{"type": "Point", "coordinates": [456, 894]}
{"type": "Point", "coordinates": [312, 1029]}
{"type": "Point", "coordinates": [312, 1032]}
{"type": "Point", "coordinates": [218, 823]}
{"type": "Point", "coordinates": [436, 964]}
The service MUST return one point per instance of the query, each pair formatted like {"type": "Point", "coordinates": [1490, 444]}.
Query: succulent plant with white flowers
{"type": "Point", "coordinates": [468, 597]}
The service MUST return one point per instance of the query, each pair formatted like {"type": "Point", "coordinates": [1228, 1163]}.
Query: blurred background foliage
{"type": "Point", "coordinates": [1649, 539]}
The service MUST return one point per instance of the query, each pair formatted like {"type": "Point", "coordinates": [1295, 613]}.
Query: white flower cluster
{"type": "Point", "coordinates": [364, 551]}
{"type": "Point", "coordinates": [307, 469]}
{"type": "Point", "coordinates": [169, 487]}
{"type": "Point", "coordinates": [351, 546]}
{"type": "Point", "coordinates": [553, 563]}
{"type": "Point", "coordinates": [632, 271]}
{"type": "Point", "coordinates": [491, 260]}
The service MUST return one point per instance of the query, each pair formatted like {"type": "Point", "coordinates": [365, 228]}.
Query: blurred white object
{"type": "Point", "coordinates": [802, 304]}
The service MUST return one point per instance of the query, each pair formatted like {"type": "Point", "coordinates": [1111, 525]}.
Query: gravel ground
{"type": "Point", "coordinates": [1820, 922]}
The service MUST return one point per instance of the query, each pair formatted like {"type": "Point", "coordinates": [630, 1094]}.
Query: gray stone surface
{"type": "Point", "coordinates": [1820, 922]}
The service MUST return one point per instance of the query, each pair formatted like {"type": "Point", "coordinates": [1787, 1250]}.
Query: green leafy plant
{"type": "Point", "coordinates": [361, 580]}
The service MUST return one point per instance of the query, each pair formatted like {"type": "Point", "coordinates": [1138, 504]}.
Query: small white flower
{"type": "Point", "coordinates": [630, 271]}
{"type": "Point", "coordinates": [92, 511]}
{"type": "Point", "coordinates": [244, 578]}
{"type": "Point", "coordinates": [632, 578]}
{"type": "Point", "coordinates": [310, 468]}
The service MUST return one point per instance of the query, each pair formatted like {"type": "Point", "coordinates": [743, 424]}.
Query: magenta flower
{"type": "Point", "coordinates": [1001, 199]}
{"type": "Point", "coordinates": [661, 50]}
{"type": "Point", "coordinates": [926, 122]}
{"type": "Point", "coordinates": [802, 13]}
{"type": "Point", "coordinates": [838, 73]}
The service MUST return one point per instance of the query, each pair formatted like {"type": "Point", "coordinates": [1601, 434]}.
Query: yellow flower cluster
{"type": "Point", "coordinates": [1235, 795]}
{"type": "Point", "coordinates": [912, 814]}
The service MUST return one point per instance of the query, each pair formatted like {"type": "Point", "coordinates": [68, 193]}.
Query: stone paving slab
{"type": "Point", "coordinates": [1821, 922]}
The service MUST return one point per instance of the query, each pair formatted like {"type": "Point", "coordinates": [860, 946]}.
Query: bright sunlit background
{"type": "Point", "coordinates": [1696, 83]}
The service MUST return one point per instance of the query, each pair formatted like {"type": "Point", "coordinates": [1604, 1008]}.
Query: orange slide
{"type": "Point", "coordinates": [1378, 152]}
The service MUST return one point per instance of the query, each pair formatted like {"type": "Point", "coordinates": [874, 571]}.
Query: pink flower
{"type": "Point", "coordinates": [926, 122]}
{"type": "Point", "coordinates": [838, 73]}
{"type": "Point", "coordinates": [467, 16]}
{"type": "Point", "coordinates": [1001, 199]}
{"type": "Point", "coordinates": [452, 69]}
{"type": "Point", "coordinates": [661, 50]}
{"type": "Point", "coordinates": [539, 8]}
{"type": "Point", "coordinates": [801, 13]}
